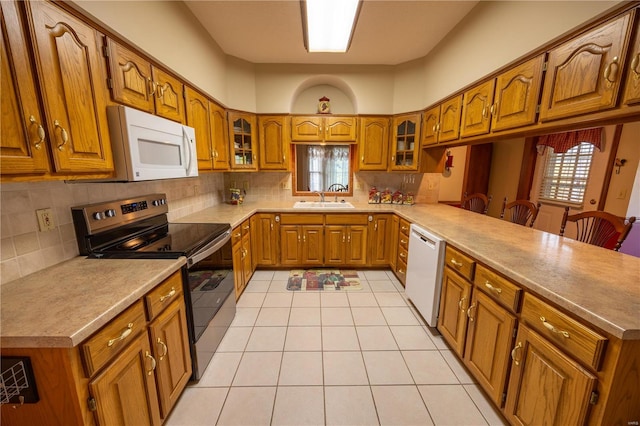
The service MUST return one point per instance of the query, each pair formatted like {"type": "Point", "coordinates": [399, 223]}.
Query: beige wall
{"type": "Point", "coordinates": [506, 162]}
{"type": "Point", "coordinates": [621, 184]}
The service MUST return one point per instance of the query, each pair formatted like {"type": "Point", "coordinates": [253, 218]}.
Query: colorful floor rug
{"type": "Point", "coordinates": [323, 280]}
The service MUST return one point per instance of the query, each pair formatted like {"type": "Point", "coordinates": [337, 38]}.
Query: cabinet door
{"type": "Point", "coordinates": [238, 268]}
{"type": "Point", "coordinates": [125, 391]}
{"type": "Point", "coordinates": [356, 245]}
{"type": "Point", "coordinates": [335, 245]}
{"type": "Point", "coordinates": [242, 128]}
{"type": "Point", "coordinates": [306, 129]}
{"type": "Point", "coordinates": [476, 108]}
{"type": "Point", "coordinates": [405, 147]}
{"type": "Point", "coordinates": [546, 387]}
{"type": "Point", "coordinates": [219, 136]}
{"type": "Point", "coordinates": [430, 123]}
{"type": "Point", "coordinates": [197, 106]}
{"type": "Point", "coordinates": [450, 113]}
{"type": "Point", "coordinates": [173, 357]}
{"type": "Point", "coordinates": [23, 146]}
{"type": "Point", "coordinates": [72, 77]}
{"type": "Point", "coordinates": [632, 86]}
{"type": "Point", "coordinates": [488, 344]}
{"type": "Point", "coordinates": [273, 137]}
{"type": "Point", "coordinates": [379, 243]}
{"type": "Point", "coordinates": [169, 97]}
{"type": "Point", "coordinates": [312, 244]}
{"type": "Point", "coordinates": [247, 261]}
{"type": "Point", "coordinates": [374, 143]}
{"type": "Point", "coordinates": [263, 235]}
{"type": "Point", "coordinates": [340, 129]}
{"type": "Point", "coordinates": [393, 244]}
{"type": "Point", "coordinates": [454, 302]}
{"type": "Point", "coordinates": [583, 75]}
{"type": "Point", "coordinates": [290, 244]}
{"type": "Point", "coordinates": [516, 96]}
{"type": "Point", "coordinates": [130, 77]}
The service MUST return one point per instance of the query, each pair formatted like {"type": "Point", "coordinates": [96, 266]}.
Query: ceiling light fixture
{"type": "Point", "coordinates": [329, 24]}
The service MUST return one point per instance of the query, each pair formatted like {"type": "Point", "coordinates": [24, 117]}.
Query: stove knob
{"type": "Point", "coordinates": [110, 213]}
{"type": "Point", "coordinates": [98, 215]}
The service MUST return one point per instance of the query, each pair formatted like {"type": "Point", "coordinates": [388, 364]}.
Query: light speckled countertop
{"type": "Point", "coordinates": [63, 305]}
{"type": "Point", "coordinates": [598, 285]}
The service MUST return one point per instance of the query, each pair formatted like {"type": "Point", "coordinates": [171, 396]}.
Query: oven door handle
{"type": "Point", "coordinates": [210, 248]}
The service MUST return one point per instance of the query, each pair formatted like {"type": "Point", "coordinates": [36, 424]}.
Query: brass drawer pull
{"type": "Point", "coordinates": [125, 333]}
{"type": "Point", "coordinates": [460, 304]}
{"type": "Point", "coordinates": [402, 254]}
{"type": "Point", "coordinates": [488, 285]}
{"type": "Point", "coordinates": [168, 295]}
{"type": "Point", "coordinates": [164, 348]}
{"type": "Point", "coordinates": [63, 134]}
{"type": "Point", "coordinates": [516, 361]}
{"type": "Point", "coordinates": [456, 263]}
{"type": "Point", "coordinates": [634, 66]}
{"type": "Point", "coordinates": [41, 134]}
{"type": "Point", "coordinates": [473, 305]}
{"type": "Point", "coordinates": [551, 328]}
{"type": "Point", "coordinates": [607, 70]}
{"type": "Point", "coordinates": [153, 362]}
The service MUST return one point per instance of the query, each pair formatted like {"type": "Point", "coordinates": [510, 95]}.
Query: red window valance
{"type": "Point", "coordinates": [562, 142]}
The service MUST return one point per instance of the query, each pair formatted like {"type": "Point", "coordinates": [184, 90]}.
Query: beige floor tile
{"type": "Point", "coordinates": [245, 317]}
{"type": "Point", "coordinates": [439, 341]}
{"type": "Point", "coordinates": [386, 368]}
{"type": "Point", "coordinates": [340, 339]}
{"type": "Point", "coordinates": [429, 368]}
{"type": "Point", "coordinates": [256, 286]}
{"type": "Point", "coordinates": [457, 367]}
{"type": "Point", "coordinates": [412, 337]}
{"type": "Point", "coordinates": [266, 339]}
{"type": "Point", "coordinates": [299, 406]}
{"type": "Point", "coordinates": [281, 275]}
{"type": "Point", "coordinates": [399, 316]}
{"type": "Point", "coordinates": [258, 369]}
{"type": "Point", "coordinates": [304, 316]}
{"type": "Point", "coordinates": [301, 368]}
{"type": "Point", "coordinates": [247, 406]}
{"type": "Point", "coordinates": [349, 406]}
{"type": "Point", "coordinates": [336, 316]}
{"type": "Point", "coordinates": [400, 405]}
{"type": "Point", "coordinates": [450, 405]}
{"type": "Point", "coordinates": [198, 406]}
{"type": "Point", "coordinates": [251, 300]}
{"type": "Point", "coordinates": [368, 316]}
{"type": "Point", "coordinates": [306, 299]}
{"type": "Point", "coordinates": [279, 286]}
{"type": "Point", "coordinates": [278, 300]}
{"type": "Point", "coordinates": [373, 338]}
{"type": "Point", "coordinates": [303, 339]}
{"type": "Point", "coordinates": [382, 286]}
{"type": "Point", "coordinates": [489, 412]}
{"type": "Point", "coordinates": [333, 300]}
{"type": "Point", "coordinates": [221, 370]}
{"type": "Point", "coordinates": [359, 299]}
{"type": "Point", "coordinates": [271, 317]}
{"type": "Point", "coordinates": [375, 275]}
{"type": "Point", "coordinates": [235, 339]}
{"type": "Point", "coordinates": [344, 368]}
{"type": "Point", "coordinates": [262, 276]}
{"type": "Point", "coordinates": [390, 299]}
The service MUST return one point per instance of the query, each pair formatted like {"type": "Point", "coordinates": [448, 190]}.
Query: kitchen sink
{"type": "Point", "coordinates": [322, 205]}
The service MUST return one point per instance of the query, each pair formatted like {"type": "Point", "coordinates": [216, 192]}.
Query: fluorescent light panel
{"type": "Point", "coordinates": [330, 24]}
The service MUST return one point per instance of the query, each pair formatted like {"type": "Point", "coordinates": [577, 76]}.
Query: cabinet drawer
{"type": "Point", "coordinates": [567, 334]}
{"type": "Point", "coordinates": [401, 270]}
{"type": "Point", "coordinates": [403, 241]}
{"type": "Point", "coordinates": [236, 235]}
{"type": "Point", "coordinates": [402, 254]}
{"type": "Point", "coordinates": [301, 219]}
{"type": "Point", "coordinates": [99, 349]}
{"type": "Point", "coordinates": [404, 227]}
{"type": "Point", "coordinates": [162, 296]}
{"type": "Point", "coordinates": [245, 228]}
{"type": "Point", "coordinates": [459, 262]}
{"type": "Point", "coordinates": [500, 289]}
{"type": "Point", "coordinates": [346, 219]}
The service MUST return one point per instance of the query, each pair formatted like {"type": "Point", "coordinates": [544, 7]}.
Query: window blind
{"type": "Point", "coordinates": [566, 174]}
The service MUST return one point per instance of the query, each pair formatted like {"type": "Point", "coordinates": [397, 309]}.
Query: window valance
{"type": "Point", "coordinates": [562, 142]}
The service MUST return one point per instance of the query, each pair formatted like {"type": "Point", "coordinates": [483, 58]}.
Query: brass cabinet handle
{"type": "Point", "coordinates": [552, 329]}
{"type": "Point", "coordinates": [404, 228]}
{"type": "Point", "coordinates": [63, 134]}
{"type": "Point", "coordinates": [272, 226]}
{"type": "Point", "coordinates": [607, 70]}
{"type": "Point", "coordinates": [153, 362]}
{"type": "Point", "coordinates": [473, 305]}
{"type": "Point", "coordinates": [401, 271]}
{"type": "Point", "coordinates": [164, 348]}
{"type": "Point", "coordinates": [152, 86]}
{"type": "Point", "coordinates": [344, 238]}
{"type": "Point", "coordinates": [41, 134]}
{"type": "Point", "coordinates": [484, 111]}
{"type": "Point", "coordinates": [460, 304]}
{"type": "Point", "coordinates": [494, 109]}
{"type": "Point", "coordinates": [168, 295]}
{"type": "Point", "coordinates": [403, 241]}
{"type": "Point", "coordinates": [125, 333]}
{"type": "Point", "coordinates": [246, 227]}
{"type": "Point", "coordinates": [402, 254]}
{"type": "Point", "coordinates": [238, 235]}
{"type": "Point", "coordinates": [304, 239]}
{"type": "Point", "coordinates": [634, 65]}
{"type": "Point", "coordinates": [456, 263]}
{"type": "Point", "coordinates": [516, 361]}
{"type": "Point", "coordinates": [488, 285]}
{"type": "Point", "coordinates": [362, 158]}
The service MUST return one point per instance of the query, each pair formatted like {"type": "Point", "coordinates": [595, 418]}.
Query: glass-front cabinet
{"type": "Point", "coordinates": [242, 135]}
{"type": "Point", "coordinates": [405, 148]}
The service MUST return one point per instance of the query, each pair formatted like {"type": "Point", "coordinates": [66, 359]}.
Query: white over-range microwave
{"type": "Point", "coordinates": [148, 147]}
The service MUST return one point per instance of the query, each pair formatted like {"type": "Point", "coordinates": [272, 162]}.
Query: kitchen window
{"type": "Point", "coordinates": [566, 174]}
{"type": "Point", "coordinates": [323, 168]}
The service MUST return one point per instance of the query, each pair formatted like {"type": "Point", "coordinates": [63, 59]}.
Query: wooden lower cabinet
{"type": "Point", "coordinates": [243, 266]}
{"type": "Point", "coordinates": [380, 234]}
{"type": "Point", "coordinates": [345, 245]}
{"type": "Point", "coordinates": [454, 302]}
{"type": "Point", "coordinates": [264, 239]}
{"type": "Point", "coordinates": [302, 245]}
{"type": "Point", "coordinates": [402, 250]}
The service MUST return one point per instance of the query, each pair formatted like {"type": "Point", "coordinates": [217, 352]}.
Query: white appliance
{"type": "Point", "coordinates": [148, 147]}
{"type": "Point", "coordinates": [424, 272]}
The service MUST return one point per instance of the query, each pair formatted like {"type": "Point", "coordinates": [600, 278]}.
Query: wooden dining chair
{"type": "Point", "coordinates": [520, 211]}
{"type": "Point", "coordinates": [599, 227]}
{"type": "Point", "coordinates": [477, 202]}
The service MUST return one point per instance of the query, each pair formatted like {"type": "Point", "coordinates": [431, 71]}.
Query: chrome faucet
{"type": "Point", "coordinates": [321, 194]}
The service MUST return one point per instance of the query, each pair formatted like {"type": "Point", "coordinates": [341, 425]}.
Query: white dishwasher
{"type": "Point", "coordinates": [424, 272]}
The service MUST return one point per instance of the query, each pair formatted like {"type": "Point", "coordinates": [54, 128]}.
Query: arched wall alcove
{"type": "Point", "coordinates": [305, 98]}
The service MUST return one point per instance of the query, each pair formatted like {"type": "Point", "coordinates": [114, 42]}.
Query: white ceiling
{"type": "Point", "coordinates": [388, 32]}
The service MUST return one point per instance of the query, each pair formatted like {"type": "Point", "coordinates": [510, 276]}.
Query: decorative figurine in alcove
{"type": "Point", "coordinates": [323, 105]}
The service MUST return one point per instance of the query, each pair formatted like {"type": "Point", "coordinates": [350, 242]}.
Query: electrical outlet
{"type": "Point", "coordinates": [622, 194]}
{"type": "Point", "coordinates": [45, 220]}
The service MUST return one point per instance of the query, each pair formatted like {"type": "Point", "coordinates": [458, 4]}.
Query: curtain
{"type": "Point", "coordinates": [328, 165]}
{"type": "Point", "coordinates": [562, 142]}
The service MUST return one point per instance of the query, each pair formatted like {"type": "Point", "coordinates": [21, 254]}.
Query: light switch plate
{"type": "Point", "coordinates": [45, 220]}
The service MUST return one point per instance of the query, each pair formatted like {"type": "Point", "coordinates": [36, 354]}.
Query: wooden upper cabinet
{"type": "Point", "coordinates": [197, 109]}
{"type": "Point", "coordinates": [306, 129]}
{"type": "Point", "coordinates": [169, 97]}
{"type": "Point", "coordinates": [340, 129]}
{"type": "Point", "coordinates": [632, 86]}
{"type": "Point", "coordinates": [243, 141]}
{"type": "Point", "coordinates": [273, 142]}
{"type": "Point", "coordinates": [23, 145]}
{"type": "Point", "coordinates": [405, 143]}
{"type": "Point", "coordinates": [374, 143]}
{"type": "Point", "coordinates": [323, 129]}
{"type": "Point", "coordinates": [583, 74]}
{"type": "Point", "coordinates": [72, 77]}
{"type": "Point", "coordinates": [130, 78]}
{"type": "Point", "coordinates": [442, 123]}
{"type": "Point", "coordinates": [476, 109]}
{"type": "Point", "coordinates": [219, 136]}
{"type": "Point", "coordinates": [430, 122]}
{"type": "Point", "coordinates": [516, 95]}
